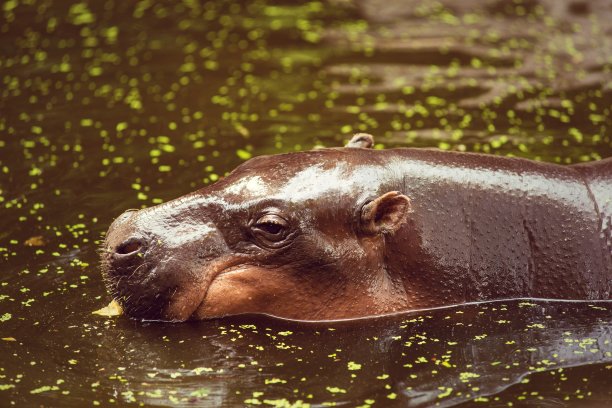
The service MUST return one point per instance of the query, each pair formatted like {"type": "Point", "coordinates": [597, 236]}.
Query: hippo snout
{"type": "Point", "coordinates": [124, 259]}
{"type": "Point", "coordinates": [125, 247]}
{"type": "Point", "coordinates": [128, 267]}
{"type": "Point", "coordinates": [131, 247]}
{"type": "Point", "coordinates": [123, 219]}
{"type": "Point", "coordinates": [155, 261]}
{"type": "Point", "coordinates": [121, 237]}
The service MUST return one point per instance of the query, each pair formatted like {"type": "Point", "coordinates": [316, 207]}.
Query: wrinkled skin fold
{"type": "Point", "coordinates": [353, 232]}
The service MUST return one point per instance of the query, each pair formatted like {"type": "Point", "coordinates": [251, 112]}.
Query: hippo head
{"type": "Point", "coordinates": [299, 235]}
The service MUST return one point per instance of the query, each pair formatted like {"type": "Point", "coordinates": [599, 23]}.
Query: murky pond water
{"type": "Point", "coordinates": [110, 105]}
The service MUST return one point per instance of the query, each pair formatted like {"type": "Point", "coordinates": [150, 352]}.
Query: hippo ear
{"type": "Point", "coordinates": [385, 214]}
{"type": "Point", "coordinates": [363, 140]}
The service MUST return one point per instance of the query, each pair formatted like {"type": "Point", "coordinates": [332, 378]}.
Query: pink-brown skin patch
{"type": "Point", "coordinates": [352, 232]}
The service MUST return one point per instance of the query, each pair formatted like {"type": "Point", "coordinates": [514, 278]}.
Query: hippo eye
{"type": "Point", "coordinates": [270, 229]}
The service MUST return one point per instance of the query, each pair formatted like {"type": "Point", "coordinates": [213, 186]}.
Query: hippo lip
{"type": "Point", "coordinates": [219, 268]}
{"type": "Point", "coordinates": [150, 310]}
{"type": "Point", "coordinates": [180, 302]}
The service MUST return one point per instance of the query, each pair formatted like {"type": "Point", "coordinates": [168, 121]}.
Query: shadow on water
{"type": "Point", "coordinates": [110, 105]}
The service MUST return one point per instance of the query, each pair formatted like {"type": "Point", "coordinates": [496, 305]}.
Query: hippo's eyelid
{"type": "Point", "coordinates": [272, 218]}
{"type": "Point", "coordinates": [270, 230]}
{"type": "Point", "coordinates": [270, 224]}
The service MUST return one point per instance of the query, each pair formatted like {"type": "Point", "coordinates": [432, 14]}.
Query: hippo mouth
{"type": "Point", "coordinates": [185, 303]}
{"type": "Point", "coordinates": [130, 285]}
{"type": "Point", "coordinates": [160, 290]}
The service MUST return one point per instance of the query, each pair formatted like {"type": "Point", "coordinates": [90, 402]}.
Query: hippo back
{"type": "Point", "coordinates": [487, 227]}
{"type": "Point", "coordinates": [598, 178]}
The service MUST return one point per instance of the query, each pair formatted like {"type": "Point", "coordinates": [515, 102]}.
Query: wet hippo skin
{"type": "Point", "coordinates": [353, 232]}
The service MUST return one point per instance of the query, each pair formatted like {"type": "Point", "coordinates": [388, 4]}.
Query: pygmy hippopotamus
{"type": "Point", "coordinates": [351, 232]}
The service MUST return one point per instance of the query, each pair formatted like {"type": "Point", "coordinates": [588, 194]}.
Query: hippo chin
{"type": "Point", "coordinates": [353, 232]}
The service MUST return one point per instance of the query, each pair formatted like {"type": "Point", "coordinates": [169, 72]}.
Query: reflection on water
{"type": "Point", "coordinates": [110, 105]}
{"type": "Point", "coordinates": [520, 352]}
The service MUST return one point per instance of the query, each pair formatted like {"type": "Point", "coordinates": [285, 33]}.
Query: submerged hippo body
{"type": "Point", "coordinates": [352, 232]}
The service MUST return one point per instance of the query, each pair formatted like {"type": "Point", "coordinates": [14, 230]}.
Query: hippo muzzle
{"type": "Point", "coordinates": [157, 262]}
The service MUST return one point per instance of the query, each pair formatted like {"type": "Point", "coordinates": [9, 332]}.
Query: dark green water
{"type": "Point", "coordinates": [110, 105]}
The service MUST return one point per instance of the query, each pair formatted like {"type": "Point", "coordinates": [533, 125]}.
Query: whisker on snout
{"type": "Point", "coordinates": [137, 269]}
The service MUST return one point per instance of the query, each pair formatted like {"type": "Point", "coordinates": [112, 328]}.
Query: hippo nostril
{"type": "Point", "coordinates": [130, 246]}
